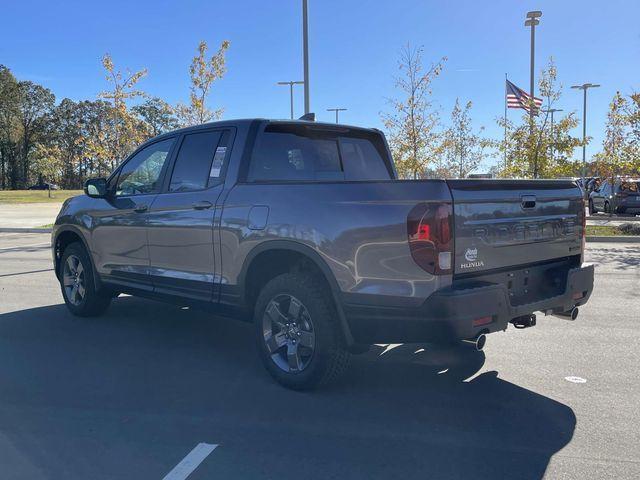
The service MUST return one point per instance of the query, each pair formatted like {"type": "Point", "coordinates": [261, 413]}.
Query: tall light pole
{"type": "Point", "coordinates": [552, 111]}
{"type": "Point", "coordinates": [584, 87]}
{"type": "Point", "coordinates": [532, 21]}
{"type": "Point", "coordinates": [336, 110]}
{"type": "Point", "coordinates": [305, 48]}
{"type": "Point", "coordinates": [291, 84]}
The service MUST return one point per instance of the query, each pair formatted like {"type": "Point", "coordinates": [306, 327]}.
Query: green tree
{"type": "Point", "coordinates": [411, 124]}
{"type": "Point", "coordinates": [79, 142]}
{"type": "Point", "coordinates": [157, 115]}
{"type": "Point", "coordinates": [35, 102]}
{"type": "Point", "coordinates": [9, 129]}
{"type": "Point", "coordinates": [632, 112]}
{"type": "Point", "coordinates": [463, 148]}
{"type": "Point", "coordinates": [203, 72]}
{"type": "Point", "coordinates": [545, 150]}
{"type": "Point", "coordinates": [620, 153]}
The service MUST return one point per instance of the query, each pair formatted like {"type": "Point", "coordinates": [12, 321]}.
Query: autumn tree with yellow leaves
{"type": "Point", "coordinates": [126, 133]}
{"type": "Point", "coordinates": [411, 124]}
{"type": "Point", "coordinates": [203, 72]}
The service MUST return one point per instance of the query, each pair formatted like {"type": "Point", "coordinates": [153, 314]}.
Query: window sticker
{"type": "Point", "coordinates": [218, 161]}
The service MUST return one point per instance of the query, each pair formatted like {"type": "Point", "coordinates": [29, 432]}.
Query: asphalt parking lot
{"type": "Point", "coordinates": [130, 394]}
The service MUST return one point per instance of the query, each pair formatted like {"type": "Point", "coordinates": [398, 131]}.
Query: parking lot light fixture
{"type": "Point", "coordinates": [584, 87]}
{"type": "Point", "coordinates": [532, 21]}
{"type": "Point", "coordinates": [291, 84]}
{"type": "Point", "coordinates": [336, 110]}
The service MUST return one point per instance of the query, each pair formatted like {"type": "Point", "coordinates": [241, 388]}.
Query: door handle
{"type": "Point", "coordinates": [203, 205]}
{"type": "Point", "coordinates": [140, 208]}
{"type": "Point", "coordinates": [528, 201]}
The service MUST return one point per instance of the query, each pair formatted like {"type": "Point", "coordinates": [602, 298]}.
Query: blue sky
{"type": "Point", "coordinates": [354, 47]}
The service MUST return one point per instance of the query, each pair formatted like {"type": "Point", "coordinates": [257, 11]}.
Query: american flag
{"type": "Point", "coordinates": [518, 98]}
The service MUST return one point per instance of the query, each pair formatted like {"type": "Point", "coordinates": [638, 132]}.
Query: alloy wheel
{"type": "Point", "coordinates": [73, 280]}
{"type": "Point", "coordinates": [288, 333]}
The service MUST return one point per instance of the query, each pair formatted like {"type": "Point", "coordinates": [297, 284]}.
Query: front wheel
{"type": "Point", "coordinates": [297, 332]}
{"type": "Point", "coordinates": [77, 283]}
{"type": "Point", "coordinates": [592, 209]}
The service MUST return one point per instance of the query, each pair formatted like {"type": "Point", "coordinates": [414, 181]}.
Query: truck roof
{"type": "Point", "coordinates": [248, 121]}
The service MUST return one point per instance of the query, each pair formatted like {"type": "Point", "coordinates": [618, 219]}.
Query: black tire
{"type": "Point", "coordinates": [592, 208]}
{"type": "Point", "coordinates": [316, 315]}
{"type": "Point", "coordinates": [606, 207]}
{"type": "Point", "coordinates": [86, 301]}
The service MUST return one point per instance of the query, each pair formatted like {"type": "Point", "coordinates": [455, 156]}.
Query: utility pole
{"type": "Point", "coordinates": [291, 84]}
{"type": "Point", "coordinates": [552, 111]}
{"type": "Point", "coordinates": [584, 87]}
{"type": "Point", "coordinates": [305, 48]}
{"type": "Point", "coordinates": [336, 110]}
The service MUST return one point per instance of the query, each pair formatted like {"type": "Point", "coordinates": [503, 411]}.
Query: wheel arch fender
{"type": "Point", "coordinates": [309, 254]}
{"type": "Point", "coordinates": [75, 232]}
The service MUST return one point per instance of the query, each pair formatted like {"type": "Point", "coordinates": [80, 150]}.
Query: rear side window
{"type": "Point", "coordinates": [362, 161]}
{"type": "Point", "coordinates": [197, 162]}
{"type": "Point", "coordinates": [297, 153]}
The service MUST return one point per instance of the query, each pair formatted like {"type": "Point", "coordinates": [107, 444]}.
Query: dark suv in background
{"type": "Point", "coordinates": [623, 196]}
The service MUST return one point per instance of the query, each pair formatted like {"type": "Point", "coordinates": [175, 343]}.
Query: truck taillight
{"type": "Point", "coordinates": [430, 232]}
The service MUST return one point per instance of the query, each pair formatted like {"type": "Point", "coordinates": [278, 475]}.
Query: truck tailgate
{"type": "Point", "coordinates": [506, 223]}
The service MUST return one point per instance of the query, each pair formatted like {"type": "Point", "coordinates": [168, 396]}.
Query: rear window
{"type": "Point", "coordinates": [631, 186]}
{"type": "Point", "coordinates": [299, 153]}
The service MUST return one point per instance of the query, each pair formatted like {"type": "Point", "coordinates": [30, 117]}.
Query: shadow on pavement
{"type": "Point", "coordinates": [622, 258]}
{"type": "Point", "coordinates": [129, 394]}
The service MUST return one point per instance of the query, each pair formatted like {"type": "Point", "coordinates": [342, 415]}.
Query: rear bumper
{"type": "Point", "coordinates": [449, 314]}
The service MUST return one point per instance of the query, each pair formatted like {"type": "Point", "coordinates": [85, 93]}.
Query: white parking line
{"type": "Point", "coordinates": [190, 462]}
{"type": "Point", "coordinates": [17, 247]}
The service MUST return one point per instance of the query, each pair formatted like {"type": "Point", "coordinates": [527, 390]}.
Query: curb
{"type": "Point", "coordinates": [24, 230]}
{"type": "Point", "coordinates": [615, 239]}
{"type": "Point", "coordinates": [613, 218]}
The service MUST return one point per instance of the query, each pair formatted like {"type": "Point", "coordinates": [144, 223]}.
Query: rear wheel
{"type": "Point", "coordinates": [77, 283]}
{"type": "Point", "coordinates": [297, 332]}
{"type": "Point", "coordinates": [607, 208]}
{"type": "Point", "coordinates": [592, 208]}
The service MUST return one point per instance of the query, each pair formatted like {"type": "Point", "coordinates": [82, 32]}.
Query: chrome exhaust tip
{"type": "Point", "coordinates": [477, 342]}
{"type": "Point", "coordinates": [568, 315]}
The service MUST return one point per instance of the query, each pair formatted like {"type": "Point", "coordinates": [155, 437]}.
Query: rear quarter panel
{"type": "Point", "coordinates": [357, 228]}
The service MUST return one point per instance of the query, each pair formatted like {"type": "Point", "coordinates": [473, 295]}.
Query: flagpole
{"type": "Point", "coordinates": [505, 122]}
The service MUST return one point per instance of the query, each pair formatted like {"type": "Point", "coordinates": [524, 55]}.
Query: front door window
{"type": "Point", "coordinates": [141, 174]}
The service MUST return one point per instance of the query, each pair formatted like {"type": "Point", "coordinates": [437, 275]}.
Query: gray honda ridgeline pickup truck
{"type": "Point", "coordinates": [304, 229]}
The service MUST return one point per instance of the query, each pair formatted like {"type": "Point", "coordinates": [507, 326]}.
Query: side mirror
{"type": "Point", "coordinates": [96, 187]}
